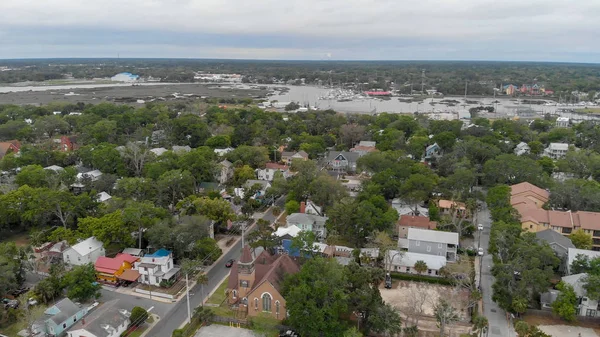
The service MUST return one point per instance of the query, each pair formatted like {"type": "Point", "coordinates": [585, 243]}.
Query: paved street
{"type": "Point", "coordinates": [498, 324]}
{"type": "Point", "coordinates": [178, 315]}
{"type": "Point", "coordinates": [130, 301]}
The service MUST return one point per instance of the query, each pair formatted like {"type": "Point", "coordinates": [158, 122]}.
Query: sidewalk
{"type": "Point", "coordinates": [148, 328]}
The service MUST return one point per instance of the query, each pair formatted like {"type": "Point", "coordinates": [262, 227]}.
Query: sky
{"type": "Point", "coordinates": [503, 30]}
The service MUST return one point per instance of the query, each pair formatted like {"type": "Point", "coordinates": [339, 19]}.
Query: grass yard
{"type": "Point", "coordinates": [219, 295]}
{"type": "Point", "coordinates": [589, 110]}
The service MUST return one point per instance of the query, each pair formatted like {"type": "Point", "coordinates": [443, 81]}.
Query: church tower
{"type": "Point", "coordinates": [246, 274]}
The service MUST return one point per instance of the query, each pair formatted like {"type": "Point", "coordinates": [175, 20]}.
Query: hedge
{"type": "Point", "coordinates": [421, 278]}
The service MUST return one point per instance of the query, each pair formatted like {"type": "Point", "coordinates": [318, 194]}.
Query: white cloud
{"type": "Point", "coordinates": [551, 24]}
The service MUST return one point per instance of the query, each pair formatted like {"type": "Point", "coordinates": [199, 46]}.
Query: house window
{"type": "Point", "coordinates": [428, 248]}
{"type": "Point", "coordinates": [74, 319]}
{"type": "Point", "coordinates": [590, 313]}
{"type": "Point", "coordinates": [157, 280]}
{"type": "Point", "coordinates": [168, 265]}
{"type": "Point", "coordinates": [64, 325]}
{"type": "Point", "coordinates": [439, 245]}
{"type": "Point", "coordinates": [79, 258]}
{"type": "Point", "coordinates": [408, 269]}
{"type": "Point", "coordinates": [417, 243]}
{"type": "Point", "coordinates": [142, 269]}
{"type": "Point", "coordinates": [255, 303]}
{"type": "Point", "coordinates": [429, 271]}
{"type": "Point", "coordinates": [277, 308]}
{"type": "Point", "coordinates": [266, 302]}
{"type": "Point", "coordinates": [234, 294]}
{"type": "Point", "coordinates": [244, 283]}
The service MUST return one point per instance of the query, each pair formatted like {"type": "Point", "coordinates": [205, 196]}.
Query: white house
{"type": "Point", "coordinates": [222, 152]}
{"type": "Point", "coordinates": [556, 150]}
{"type": "Point", "coordinates": [91, 175]}
{"type": "Point", "coordinates": [562, 122]}
{"type": "Point", "coordinates": [309, 222]}
{"type": "Point", "coordinates": [124, 77]}
{"type": "Point", "coordinates": [225, 173]}
{"type": "Point", "coordinates": [522, 148]}
{"type": "Point", "coordinates": [103, 197]}
{"type": "Point", "coordinates": [585, 306]}
{"type": "Point", "coordinates": [157, 267]}
{"type": "Point", "coordinates": [310, 207]}
{"type": "Point", "coordinates": [287, 232]}
{"type": "Point", "coordinates": [268, 173]}
{"type": "Point", "coordinates": [107, 320]}
{"type": "Point", "coordinates": [87, 251]}
{"type": "Point", "coordinates": [54, 168]}
{"type": "Point", "coordinates": [404, 262]}
{"type": "Point", "coordinates": [158, 151]}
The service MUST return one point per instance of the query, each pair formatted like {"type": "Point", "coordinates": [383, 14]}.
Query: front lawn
{"type": "Point", "coordinates": [218, 297]}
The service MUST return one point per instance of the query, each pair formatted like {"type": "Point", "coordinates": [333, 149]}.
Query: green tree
{"type": "Point", "coordinates": [522, 328]}
{"type": "Point", "coordinates": [81, 284]}
{"type": "Point", "coordinates": [316, 298]}
{"type": "Point", "coordinates": [292, 206]}
{"type": "Point", "coordinates": [512, 169]}
{"type": "Point", "coordinates": [581, 239]}
{"type": "Point", "coordinates": [262, 236]}
{"type": "Point", "coordinates": [480, 323]}
{"type": "Point", "coordinates": [420, 266]}
{"type": "Point", "coordinates": [242, 174]}
{"type": "Point", "coordinates": [109, 228]}
{"type": "Point", "coordinates": [417, 188]}
{"type": "Point", "coordinates": [566, 302]}
{"type": "Point", "coordinates": [175, 185]}
{"type": "Point", "coordinates": [32, 176]}
{"type": "Point", "coordinates": [50, 125]}
{"type": "Point", "coordinates": [304, 243]}
{"type": "Point", "coordinates": [592, 286]}
{"type": "Point", "coordinates": [445, 140]}
{"type": "Point", "coordinates": [138, 316]}
{"type": "Point", "coordinates": [206, 249]}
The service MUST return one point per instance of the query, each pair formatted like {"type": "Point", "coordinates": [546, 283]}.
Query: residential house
{"type": "Point", "coordinates": [310, 207]}
{"type": "Point", "coordinates": [268, 173]}
{"type": "Point", "coordinates": [86, 251]}
{"type": "Point", "coordinates": [93, 175]}
{"type": "Point", "coordinates": [522, 148]}
{"type": "Point", "coordinates": [255, 283]}
{"type": "Point", "coordinates": [287, 233]}
{"type": "Point", "coordinates": [225, 172]}
{"type": "Point", "coordinates": [572, 254]}
{"type": "Point", "coordinates": [560, 244]}
{"type": "Point", "coordinates": [222, 152]}
{"type": "Point", "coordinates": [54, 168]}
{"type": "Point", "coordinates": [448, 207]}
{"type": "Point", "coordinates": [318, 249]}
{"type": "Point", "coordinates": [69, 143]}
{"type": "Point", "coordinates": [59, 317]}
{"type": "Point", "coordinates": [133, 252]}
{"type": "Point", "coordinates": [158, 151]}
{"type": "Point", "coordinates": [103, 197]}
{"type": "Point", "coordinates": [157, 267]}
{"type": "Point", "coordinates": [117, 269]}
{"type": "Point", "coordinates": [181, 149]}
{"type": "Point", "coordinates": [432, 152]}
{"type": "Point", "coordinates": [586, 306]}
{"type": "Point", "coordinates": [108, 320]}
{"type": "Point", "coordinates": [547, 298]}
{"type": "Point", "coordinates": [288, 157]}
{"type": "Point", "coordinates": [12, 146]}
{"type": "Point", "coordinates": [343, 160]}
{"type": "Point", "coordinates": [431, 242]}
{"type": "Point", "coordinates": [556, 150]}
{"type": "Point", "coordinates": [309, 222]}
{"type": "Point", "coordinates": [562, 122]}
{"type": "Point", "coordinates": [410, 221]}
{"type": "Point", "coordinates": [364, 147]}
{"type": "Point", "coordinates": [263, 184]}
{"type": "Point", "coordinates": [404, 262]}
{"type": "Point", "coordinates": [510, 89]}
{"type": "Point", "coordinates": [404, 208]}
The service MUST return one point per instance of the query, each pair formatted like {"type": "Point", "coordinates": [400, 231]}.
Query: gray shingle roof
{"type": "Point", "coordinates": [67, 309]}
{"type": "Point", "coordinates": [552, 236]}
{"type": "Point", "coordinates": [351, 157]}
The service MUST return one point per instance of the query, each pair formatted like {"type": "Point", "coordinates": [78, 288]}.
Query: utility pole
{"type": "Point", "coordinates": [140, 237]}
{"type": "Point", "coordinates": [243, 227]}
{"type": "Point", "coordinates": [422, 80]}
{"type": "Point", "coordinates": [187, 294]}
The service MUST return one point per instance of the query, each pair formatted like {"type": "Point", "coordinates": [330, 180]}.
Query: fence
{"type": "Point", "coordinates": [549, 313]}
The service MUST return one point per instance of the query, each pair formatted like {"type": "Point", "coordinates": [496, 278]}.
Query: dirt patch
{"type": "Point", "coordinates": [567, 330]}
{"type": "Point", "coordinates": [549, 321]}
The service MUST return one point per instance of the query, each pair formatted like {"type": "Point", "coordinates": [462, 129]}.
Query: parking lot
{"type": "Point", "coordinates": [223, 331]}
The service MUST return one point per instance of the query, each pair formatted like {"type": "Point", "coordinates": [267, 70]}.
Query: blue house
{"type": "Point", "coordinates": [60, 317]}
{"type": "Point", "coordinates": [432, 151]}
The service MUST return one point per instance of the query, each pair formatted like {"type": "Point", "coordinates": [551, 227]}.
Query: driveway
{"type": "Point", "coordinates": [499, 326]}
{"type": "Point", "coordinates": [130, 301]}
{"type": "Point", "coordinates": [223, 331]}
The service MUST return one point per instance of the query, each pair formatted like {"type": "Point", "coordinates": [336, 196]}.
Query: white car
{"type": "Point", "coordinates": [480, 251]}
{"type": "Point", "coordinates": [480, 227]}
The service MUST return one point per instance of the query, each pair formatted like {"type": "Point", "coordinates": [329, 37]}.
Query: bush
{"type": "Point", "coordinates": [276, 211]}
{"type": "Point", "coordinates": [177, 333]}
{"type": "Point", "coordinates": [139, 315]}
{"type": "Point", "coordinates": [421, 278]}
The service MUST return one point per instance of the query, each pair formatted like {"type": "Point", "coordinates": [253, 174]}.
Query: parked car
{"type": "Point", "coordinates": [289, 333]}
{"type": "Point", "coordinates": [10, 303]}
{"type": "Point", "coordinates": [480, 251]}
{"type": "Point", "coordinates": [32, 301]}
{"type": "Point", "coordinates": [20, 291]}
{"type": "Point", "coordinates": [480, 227]}
{"type": "Point", "coordinates": [229, 263]}
{"type": "Point", "coordinates": [388, 281]}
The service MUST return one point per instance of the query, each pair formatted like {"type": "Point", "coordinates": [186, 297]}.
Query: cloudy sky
{"type": "Point", "coordinates": [530, 30]}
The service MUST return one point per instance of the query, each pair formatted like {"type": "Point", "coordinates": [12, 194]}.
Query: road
{"type": "Point", "coordinates": [178, 315]}
{"type": "Point", "coordinates": [499, 326]}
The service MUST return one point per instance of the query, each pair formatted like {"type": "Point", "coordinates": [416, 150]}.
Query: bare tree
{"type": "Point", "coordinates": [414, 305]}
{"type": "Point", "coordinates": [445, 314]}
{"type": "Point", "coordinates": [135, 156]}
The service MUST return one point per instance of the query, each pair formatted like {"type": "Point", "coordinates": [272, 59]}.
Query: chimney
{"type": "Point", "coordinates": [302, 207]}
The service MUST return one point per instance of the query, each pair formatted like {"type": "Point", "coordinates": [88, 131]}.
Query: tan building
{"type": "Point", "coordinates": [447, 206]}
{"type": "Point", "coordinates": [255, 283]}
{"type": "Point", "coordinates": [410, 221]}
{"type": "Point", "coordinates": [528, 200]}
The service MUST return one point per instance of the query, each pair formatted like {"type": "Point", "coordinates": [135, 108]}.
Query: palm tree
{"type": "Point", "coordinates": [522, 328]}
{"type": "Point", "coordinates": [421, 266]}
{"type": "Point", "coordinates": [480, 323]}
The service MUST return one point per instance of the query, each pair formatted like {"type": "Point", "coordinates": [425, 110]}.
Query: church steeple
{"type": "Point", "coordinates": [246, 264]}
